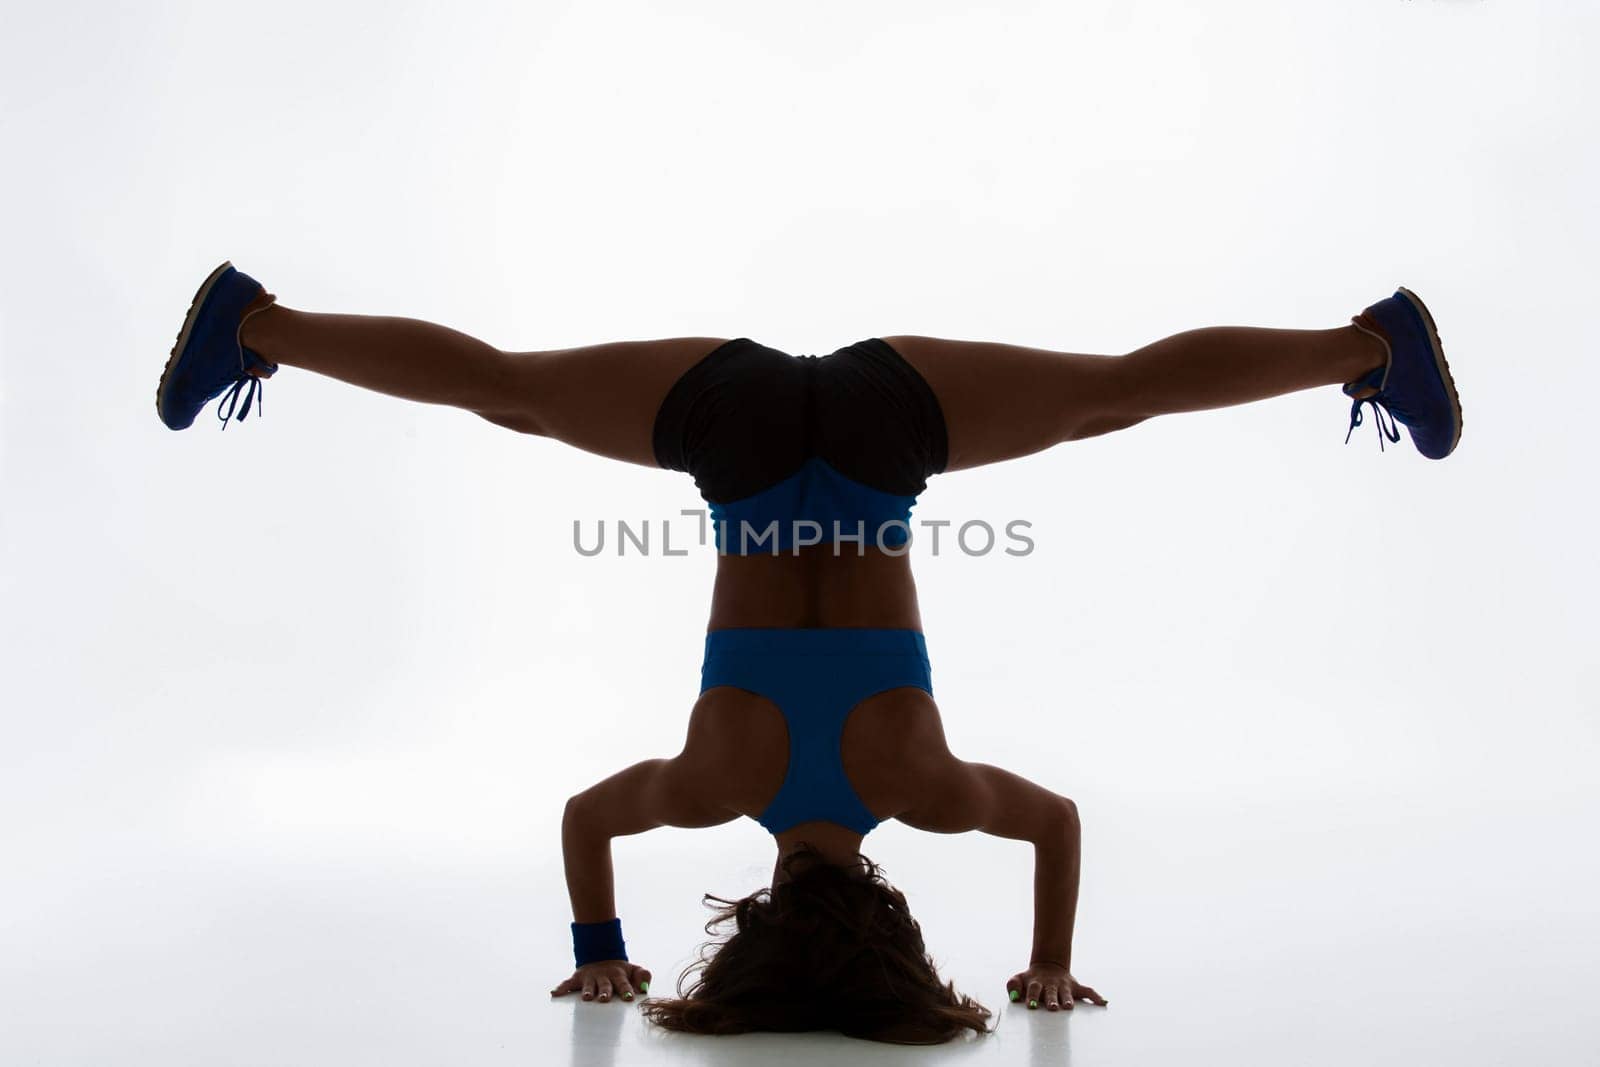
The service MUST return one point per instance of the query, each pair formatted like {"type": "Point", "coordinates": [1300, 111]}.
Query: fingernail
{"type": "Point", "coordinates": [1033, 1003]}
{"type": "Point", "coordinates": [627, 996]}
{"type": "Point", "coordinates": [1015, 996]}
{"type": "Point", "coordinates": [644, 987]}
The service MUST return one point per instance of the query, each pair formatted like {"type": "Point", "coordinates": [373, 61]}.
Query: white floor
{"type": "Point", "coordinates": [1367, 936]}
{"type": "Point", "coordinates": [287, 714]}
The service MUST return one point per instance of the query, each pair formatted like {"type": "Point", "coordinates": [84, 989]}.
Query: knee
{"type": "Point", "coordinates": [508, 397]}
{"type": "Point", "coordinates": [518, 421]}
{"type": "Point", "coordinates": [1094, 426]}
{"type": "Point", "coordinates": [1105, 393]}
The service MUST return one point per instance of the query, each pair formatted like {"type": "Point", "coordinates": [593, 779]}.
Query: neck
{"type": "Point", "coordinates": [834, 843]}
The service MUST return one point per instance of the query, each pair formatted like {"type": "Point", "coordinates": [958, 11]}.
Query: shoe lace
{"type": "Point", "coordinates": [253, 390]}
{"type": "Point", "coordinates": [247, 383]}
{"type": "Point", "coordinates": [1392, 431]}
{"type": "Point", "coordinates": [1365, 324]}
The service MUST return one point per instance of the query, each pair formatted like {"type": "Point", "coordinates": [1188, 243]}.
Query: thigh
{"type": "Point", "coordinates": [600, 398]}
{"type": "Point", "coordinates": [1001, 401]}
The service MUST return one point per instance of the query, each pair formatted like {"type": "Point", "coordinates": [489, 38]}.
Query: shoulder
{"type": "Point", "coordinates": [726, 721]}
{"type": "Point", "coordinates": [738, 743]}
{"type": "Point", "coordinates": [894, 749]}
{"type": "Point", "coordinates": [899, 726]}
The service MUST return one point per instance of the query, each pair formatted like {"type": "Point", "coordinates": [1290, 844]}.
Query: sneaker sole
{"type": "Point", "coordinates": [1438, 359]}
{"type": "Point", "coordinates": [183, 334]}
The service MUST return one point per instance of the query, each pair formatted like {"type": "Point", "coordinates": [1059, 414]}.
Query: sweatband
{"type": "Point", "coordinates": [598, 941]}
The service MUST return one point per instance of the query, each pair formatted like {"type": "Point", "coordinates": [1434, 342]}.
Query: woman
{"type": "Point", "coordinates": [816, 714]}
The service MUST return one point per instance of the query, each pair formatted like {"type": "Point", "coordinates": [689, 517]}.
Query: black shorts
{"type": "Point", "coordinates": [850, 436]}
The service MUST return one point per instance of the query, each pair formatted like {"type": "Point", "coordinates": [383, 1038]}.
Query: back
{"type": "Point", "coordinates": [815, 588]}
{"type": "Point", "coordinates": [745, 737]}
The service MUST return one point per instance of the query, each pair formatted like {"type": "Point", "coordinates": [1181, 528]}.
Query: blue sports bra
{"type": "Point", "coordinates": [816, 677]}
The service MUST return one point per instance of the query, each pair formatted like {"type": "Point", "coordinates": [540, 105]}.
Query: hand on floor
{"type": "Point", "coordinates": [1051, 987]}
{"type": "Point", "coordinates": [605, 978]}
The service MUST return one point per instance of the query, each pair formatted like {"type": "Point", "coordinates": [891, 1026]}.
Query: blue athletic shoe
{"type": "Point", "coordinates": [209, 357]}
{"type": "Point", "coordinates": [1415, 386]}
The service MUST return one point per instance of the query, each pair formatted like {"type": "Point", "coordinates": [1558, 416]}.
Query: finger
{"type": "Point", "coordinates": [624, 989]}
{"type": "Point", "coordinates": [1085, 993]}
{"type": "Point", "coordinates": [563, 988]}
{"type": "Point", "coordinates": [1066, 996]}
{"type": "Point", "coordinates": [1034, 988]}
{"type": "Point", "coordinates": [588, 987]}
{"type": "Point", "coordinates": [603, 990]}
{"type": "Point", "coordinates": [1052, 998]}
{"type": "Point", "coordinates": [641, 979]}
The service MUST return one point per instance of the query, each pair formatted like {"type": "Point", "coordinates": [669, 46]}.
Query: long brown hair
{"type": "Point", "coordinates": [827, 948]}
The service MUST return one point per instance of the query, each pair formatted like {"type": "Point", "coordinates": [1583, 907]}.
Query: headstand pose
{"type": "Point", "coordinates": [815, 715]}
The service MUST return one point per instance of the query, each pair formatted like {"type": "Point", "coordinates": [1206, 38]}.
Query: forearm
{"type": "Point", "coordinates": [651, 793]}
{"type": "Point", "coordinates": [962, 796]}
{"type": "Point", "coordinates": [1056, 864]}
{"type": "Point", "coordinates": [586, 855]}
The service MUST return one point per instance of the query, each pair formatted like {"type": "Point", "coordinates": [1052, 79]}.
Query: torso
{"type": "Point", "coordinates": [878, 737]}
{"type": "Point", "coordinates": [818, 589]}
{"type": "Point", "coordinates": [815, 588]}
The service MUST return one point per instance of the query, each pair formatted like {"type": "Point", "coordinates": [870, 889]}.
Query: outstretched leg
{"type": "Point", "coordinates": [1001, 401]}
{"type": "Point", "coordinates": [600, 398]}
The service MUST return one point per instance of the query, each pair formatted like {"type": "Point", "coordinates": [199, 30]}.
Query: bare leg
{"type": "Point", "coordinates": [1002, 401]}
{"type": "Point", "coordinates": [600, 398]}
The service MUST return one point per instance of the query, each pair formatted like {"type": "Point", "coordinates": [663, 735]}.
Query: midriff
{"type": "Point", "coordinates": [856, 587]}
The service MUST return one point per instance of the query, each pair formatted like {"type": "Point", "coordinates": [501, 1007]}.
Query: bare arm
{"type": "Point", "coordinates": [658, 792]}
{"type": "Point", "coordinates": [958, 796]}
{"type": "Point", "coordinates": [685, 790]}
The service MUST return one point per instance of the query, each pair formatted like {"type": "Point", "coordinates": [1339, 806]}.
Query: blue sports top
{"type": "Point", "coordinates": [816, 677]}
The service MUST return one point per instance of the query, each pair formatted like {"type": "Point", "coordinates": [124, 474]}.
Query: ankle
{"type": "Point", "coordinates": [257, 325]}
{"type": "Point", "coordinates": [1366, 351]}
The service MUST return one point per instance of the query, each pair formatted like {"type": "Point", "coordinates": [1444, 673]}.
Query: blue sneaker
{"type": "Point", "coordinates": [209, 357]}
{"type": "Point", "coordinates": [1414, 387]}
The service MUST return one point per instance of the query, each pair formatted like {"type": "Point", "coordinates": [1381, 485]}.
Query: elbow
{"type": "Point", "coordinates": [575, 814]}
{"type": "Point", "coordinates": [1067, 816]}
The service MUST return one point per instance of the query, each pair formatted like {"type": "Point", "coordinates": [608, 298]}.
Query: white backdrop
{"type": "Point", "coordinates": [289, 713]}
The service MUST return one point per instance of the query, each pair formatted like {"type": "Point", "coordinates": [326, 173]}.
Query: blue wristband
{"type": "Point", "coordinates": [598, 941]}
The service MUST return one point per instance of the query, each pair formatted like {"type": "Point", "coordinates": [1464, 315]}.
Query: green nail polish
{"type": "Point", "coordinates": [644, 987]}
{"type": "Point", "coordinates": [1033, 1003]}
{"type": "Point", "coordinates": [627, 996]}
{"type": "Point", "coordinates": [1015, 996]}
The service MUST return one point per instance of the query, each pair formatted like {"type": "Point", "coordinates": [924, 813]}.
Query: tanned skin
{"type": "Point", "coordinates": [999, 402]}
{"type": "Point", "coordinates": [896, 757]}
